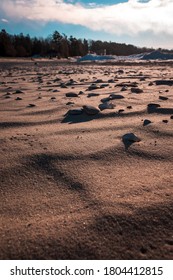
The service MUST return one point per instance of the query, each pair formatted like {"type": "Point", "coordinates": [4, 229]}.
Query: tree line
{"type": "Point", "coordinates": [60, 46]}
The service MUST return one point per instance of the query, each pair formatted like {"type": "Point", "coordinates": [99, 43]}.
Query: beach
{"type": "Point", "coordinates": [86, 166]}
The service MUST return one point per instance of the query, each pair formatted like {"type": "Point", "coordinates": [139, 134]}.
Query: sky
{"type": "Point", "coordinates": [144, 23]}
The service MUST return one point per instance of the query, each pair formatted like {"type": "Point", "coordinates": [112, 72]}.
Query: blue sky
{"type": "Point", "coordinates": [139, 22]}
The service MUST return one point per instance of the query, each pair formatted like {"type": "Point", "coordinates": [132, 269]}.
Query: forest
{"type": "Point", "coordinates": [60, 46]}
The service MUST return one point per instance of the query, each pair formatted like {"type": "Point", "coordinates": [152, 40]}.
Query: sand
{"type": "Point", "coordinates": [70, 187]}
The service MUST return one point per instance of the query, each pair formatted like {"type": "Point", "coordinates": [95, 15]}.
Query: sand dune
{"type": "Point", "coordinates": [70, 187]}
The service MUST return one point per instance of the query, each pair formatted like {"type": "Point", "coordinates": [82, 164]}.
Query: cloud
{"type": "Point", "coordinates": [4, 20]}
{"type": "Point", "coordinates": [133, 17]}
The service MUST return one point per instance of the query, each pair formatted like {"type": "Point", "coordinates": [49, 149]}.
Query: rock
{"type": "Point", "coordinates": [124, 88]}
{"type": "Point", "coordinates": [146, 122]}
{"type": "Point", "coordinates": [171, 117]}
{"type": "Point", "coordinates": [106, 105]}
{"type": "Point", "coordinates": [151, 107]}
{"type": "Point", "coordinates": [120, 111]}
{"type": "Point", "coordinates": [165, 121]}
{"type": "Point", "coordinates": [71, 94]}
{"type": "Point", "coordinates": [104, 85]}
{"type": "Point", "coordinates": [81, 92]}
{"type": "Point", "coordinates": [127, 84]}
{"type": "Point", "coordinates": [120, 71]}
{"type": "Point", "coordinates": [31, 105]}
{"type": "Point", "coordinates": [75, 111]}
{"type": "Point", "coordinates": [18, 91]}
{"type": "Point", "coordinates": [116, 96]}
{"type": "Point", "coordinates": [53, 98]}
{"type": "Point", "coordinates": [163, 97]}
{"type": "Point", "coordinates": [18, 98]}
{"type": "Point", "coordinates": [70, 103]}
{"type": "Point", "coordinates": [151, 84]}
{"type": "Point", "coordinates": [90, 110]}
{"type": "Point", "coordinates": [106, 99]}
{"type": "Point", "coordinates": [136, 90]}
{"type": "Point", "coordinates": [111, 81]}
{"type": "Point", "coordinates": [164, 82]}
{"type": "Point", "coordinates": [130, 137]}
{"type": "Point", "coordinates": [93, 87]}
{"type": "Point", "coordinates": [63, 86]}
{"type": "Point", "coordinates": [99, 81]}
{"type": "Point", "coordinates": [92, 94]}
{"type": "Point", "coordinates": [129, 107]}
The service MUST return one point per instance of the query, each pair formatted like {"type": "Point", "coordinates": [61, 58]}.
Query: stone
{"type": "Point", "coordinates": [116, 96]}
{"type": "Point", "coordinates": [136, 90]}
{"type": "Point", "coordinates": [130, 137]}
{"type": "Point", "coordinates": [106, 99]}
{"type": "Point", "coordinates": [163, 97]}
{"type": "Point", "coordinates": [18, 91]}
{"type": "Point", "coordinates": [93, 87]}
{"type": "Point", "coordinates": [146, 122]}
{"type": "Point", "coordinates": [71, 94]}
{"type": "Point", "coordinates": [70, 103]}
{"type": "Point", "coordinates": [164, 82]}
{"type": "Point", "coordinates": [75, 111]}
{"type": "Point", "coordinates": [106, 105]}
{"type": "Point", "coordinates": [92, 94]}
{"type": "Point", "coordinates": [90, 110]}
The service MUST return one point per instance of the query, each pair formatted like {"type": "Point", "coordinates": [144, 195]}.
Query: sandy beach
{"type": "Point", "coordinates": [72, 184]}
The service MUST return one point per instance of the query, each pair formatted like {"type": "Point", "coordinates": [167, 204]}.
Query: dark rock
{"type": "Point", "coordinates": [111, 81]}
{"type": "Point", "coordinates": [151, 107]}
{"type": "Point", "coordinates": [92, 94]}
{"type": "Point", "coordinates": [120, 111]}
{"type": "Point", "coordinates": [106, 105]}
{"type": "Point", "coordinates": [75, 111]}
{"type": "Point", "coordinates": [163, 97]}
{"type": "Point", "coordinates": [93, 87]}
{"type": "Point", "coordinates": [18, 91]}
{"type": "Point", "coordinates": [99, 81]}
{"type": "Point", "coordinates": [164, 82]}
{"type": "Point", "coordinates": [70, 103]}
{"type": "Point", "coordinates": [90, 110]}
{"type": "Point", "coordinates": [136, 90]}
{"type": "Point", "coordinates": [124, 88]}
{"type": "Point", "coordinates": [18, 98]}
{"type": "Point", "coordinates": [116, 96]}
{"type": "Point", "coordinates": [146, 122]}
{"type": "Point", "coordinates": [129, 107]}
{"type": "Point", "coordinates": [130, 137]}
{"type": "Point", "coordinates": [106, 99]}
{"type": "Point", "coordinates": [71, 94]}
{"type": "Point", "coordinates": [104, 85]}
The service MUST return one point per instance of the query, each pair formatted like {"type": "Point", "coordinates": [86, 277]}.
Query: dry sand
{"type": "Point", "coordinates": [69, 187]}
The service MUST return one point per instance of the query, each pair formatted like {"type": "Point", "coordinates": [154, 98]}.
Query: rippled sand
{"type": "Point", "coordinates": [69, 187]}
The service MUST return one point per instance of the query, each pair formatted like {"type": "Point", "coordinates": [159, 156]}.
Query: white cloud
{"type": "Point", "coordinates": [133, 17]}
{"type": "Point", "coordinates": [4, 20]}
